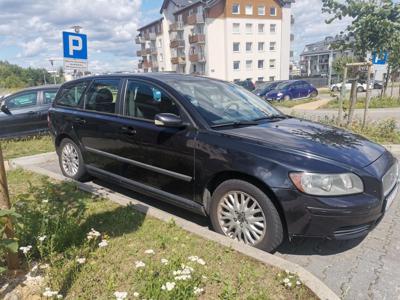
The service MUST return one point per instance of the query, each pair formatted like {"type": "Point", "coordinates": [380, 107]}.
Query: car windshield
{"type": "Point", "coordinates": [265, 86]}
{"type": "Point", "coordinates": [282, 85]}
{"type": "Point", "coordinates": [222, 102]}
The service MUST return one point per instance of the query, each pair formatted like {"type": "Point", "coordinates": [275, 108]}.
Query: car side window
{"type": "Point", "coordinates": [22, 100]}
{"type": "Point", "coordinates": [48, 96]}
{"type": "Point", "coordinates": [71, 95]}
{"type": "Point", "coordinates": [145, 101]}
{"type": "Point", "coordinates": [102, 95]}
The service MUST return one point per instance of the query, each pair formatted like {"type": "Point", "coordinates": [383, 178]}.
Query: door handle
{"type": "Point", "coordinates": [32, 112]}
{"type": "Point", "coordinates": [128, 130]}
{"type": "Point", "coordinates": [80, 121]}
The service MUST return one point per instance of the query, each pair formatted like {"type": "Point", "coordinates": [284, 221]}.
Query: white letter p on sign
{"type": "Point", "coordinates": [71, 45]}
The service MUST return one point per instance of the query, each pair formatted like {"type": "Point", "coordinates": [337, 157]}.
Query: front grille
{"type": "Point", "coordinates": [390, 179]}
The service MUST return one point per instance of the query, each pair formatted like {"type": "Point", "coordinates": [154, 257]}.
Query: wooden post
{"type": "Point", "coordinates": [368, 96]}
{"type": "Point", "coordinates": [341, 96]}
{"type": "Point", "coordinates": [12, 258]}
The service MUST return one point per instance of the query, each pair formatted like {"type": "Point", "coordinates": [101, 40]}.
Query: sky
{"type": "Point", "coordinates": [31, 30]}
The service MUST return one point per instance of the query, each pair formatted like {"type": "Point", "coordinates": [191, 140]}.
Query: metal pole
{"type": "Point", "coordinates": [342, 95]}
{"type": "Point", "coordinates": [330, 68]}
{"type": "Point", "coordinates": [368, 97]}
{"type": "Point", "coordinates": [12, 258]}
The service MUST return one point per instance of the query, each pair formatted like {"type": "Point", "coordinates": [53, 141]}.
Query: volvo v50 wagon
{"type": "Point", "coordinates": [216, 149]}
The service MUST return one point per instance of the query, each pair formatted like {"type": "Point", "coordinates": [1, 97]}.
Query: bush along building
{"type": "Point", "coordinates": [230, 40]}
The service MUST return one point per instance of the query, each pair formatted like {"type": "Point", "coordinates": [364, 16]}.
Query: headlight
{"type": "Point", "coordinates": [279, 94]}
{"type": "Point", "coordinates": [327, 184]}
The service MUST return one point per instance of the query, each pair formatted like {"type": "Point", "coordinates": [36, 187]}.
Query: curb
{"type": "Point", "coordinates": [311, 281]}
{"type": "Point", "coordinates": [394, 148]}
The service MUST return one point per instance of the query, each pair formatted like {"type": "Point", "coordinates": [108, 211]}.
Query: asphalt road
{"type": "Point", "coordinates": [366, 268]}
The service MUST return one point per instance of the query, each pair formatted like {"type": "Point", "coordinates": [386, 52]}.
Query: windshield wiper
{"type": "Point", "coordinates": [236, 124]}
{"type": "Point", "coordinates": [272, 117]}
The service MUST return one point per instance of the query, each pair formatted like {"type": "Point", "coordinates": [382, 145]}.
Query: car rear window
{"type": "Point", "coordinates": [71, 95]}
{"type": "Point", "coordinates": [48, 96]}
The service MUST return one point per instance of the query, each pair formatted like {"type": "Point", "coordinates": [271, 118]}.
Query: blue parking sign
{"type": "Point", "coordinates": [379, 58]}
{"type": "Point", "coordinates": [75, 45]}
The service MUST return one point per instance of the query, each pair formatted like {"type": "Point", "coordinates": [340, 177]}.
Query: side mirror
{"type": "Point", "coordinates": [4, 108]}
{"type": "Point", "coordinates": [168, 120]}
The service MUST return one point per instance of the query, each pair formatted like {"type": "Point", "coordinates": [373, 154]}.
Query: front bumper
{"type": "Point", "coordinates": [333, 218]}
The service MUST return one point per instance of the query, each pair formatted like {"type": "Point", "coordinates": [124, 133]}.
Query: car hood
{"type": "Point", "coordinates": [314, 138]}
{"type": "Point", "coordinates": [273, 93]}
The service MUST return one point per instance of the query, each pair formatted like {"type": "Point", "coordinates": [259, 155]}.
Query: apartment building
{"type": "Point", "coordinates": [225, 39]}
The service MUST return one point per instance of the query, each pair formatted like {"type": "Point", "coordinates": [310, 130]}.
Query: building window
{"type": "Point", "coordinates": [236, 65]}
{"type": "Point", "coordinates": [159, 43]}
{"type": "Point", "coordinates": [161, 57]}
{"type": "Point", "coordinates": [271, 78]}
{"type": "Point", "coordinates": [260, 79]}
{"type": "Point", "coordinates": [235, 9]}
{"type": "Point", "coordinates": [249, 46]}
{"type": "Point", "coordinates": [272, 11]}
{"type": "Point", "coordinates": [261, 10]}
{"type": "Point", "coordinates": [272, 63]}
{"type": "Point", "coordinates": [249, 10]}
{"type": "Point", "coordinates": [236, 27]}
{"type": "Point", "coordinates": [236, 47]}
{"type": "Point", "coordinates": [261, 46]}
{"type": "Point", "coordinates": [261, 28]}
{"type": "Point", "coordinates": [272, 46]}
{"type": "Point", "coordinates": [272, 28]}
{"type": "Point", "coordinates": [249, 65]}
{"type": "Point", "coordinates": [249, 28]}
{"type": "Point", "coordinates": [260, 64]}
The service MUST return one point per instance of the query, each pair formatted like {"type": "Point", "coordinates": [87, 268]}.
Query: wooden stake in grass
{"type": "Point", "coordinates": [12, 258]}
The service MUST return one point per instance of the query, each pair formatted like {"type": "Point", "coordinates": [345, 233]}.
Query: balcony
{"type": "Point", "coordinates": [195, 19]}
{"type": "Point", "coordinates": [197, 38]}
{"type": "Point", "coordinates": [179, 60]}
{"type": "Point", "coordinates": [139, 53]}
{"type": "Point", "coordinates": [197, 57]}
{"type": "Point", "coordinates": [154, 65]}
{"type": "Point", "coordinates": [177, 26]}
{"type": "Point", "coordinates": [177, 43]}
{"type": "Point", "coordinates": [153, 51]}
{"type": "Point", "coordinates": [139, 40]}
{"type": "Point", "coordinates": [147, 64]}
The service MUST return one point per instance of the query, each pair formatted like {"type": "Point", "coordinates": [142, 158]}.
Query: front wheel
{"type": "Point", "coordinates": [314, 94]}
{"type": "Point", "coordinates": [286, 98]}
{"type": "Point", "coordinates": [71, 161]}
{"type": "Point", "coordinates": [244, 213]}
{"type": "Point", "coordinates": [360, 89]}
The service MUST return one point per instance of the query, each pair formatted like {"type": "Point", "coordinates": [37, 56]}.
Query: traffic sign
{"type": "Point", "coordinates": [75, 45]}
{"type": "Point", "coordinates": [78, 65]}
{"type": "Point", "coordinates": [379, 58]}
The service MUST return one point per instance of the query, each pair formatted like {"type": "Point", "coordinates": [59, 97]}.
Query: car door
{"type": "Point", "coordinates": [294, 90]}
{"type": "Point", "coordinates": [304, 89]}
{"type": "Point", "coordinates": [23, 117]}
{"type": "Point", "coordinates": [46, 98]}
{"type": "Point", "coordinates": [158, 157]}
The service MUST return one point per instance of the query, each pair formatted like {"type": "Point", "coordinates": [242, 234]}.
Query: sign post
{"type": "Point", "coordinates": [75, 52]}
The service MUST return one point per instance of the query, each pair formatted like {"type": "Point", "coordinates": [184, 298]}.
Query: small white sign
{"type": "Point", "coordinates": [78, 65]}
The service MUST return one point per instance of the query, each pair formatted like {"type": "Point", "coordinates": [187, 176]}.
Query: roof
{"type": "Point", "coordinates": [149, 24]}
{"type": "Point", "coordinates": [178, 3]}
{"type": "Point", "coordinates": [188, 6]}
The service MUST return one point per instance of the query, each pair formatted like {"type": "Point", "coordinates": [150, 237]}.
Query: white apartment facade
{"type": "Point", "coordinates": [229, 40]}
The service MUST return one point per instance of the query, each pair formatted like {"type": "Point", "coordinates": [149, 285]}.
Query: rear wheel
{"type": "Point", "coordinates": [314, 94]}
{"type": "Point", "coordinates": [360, 89]}
{"type": "Point", "coordinates": [335, 89]}
{"type": "Point", "coordinates": [244, 213]}
{"type": "Point", "coordinates": [286, 98]}
{"type": "Point", "coordinates": [71, 161]}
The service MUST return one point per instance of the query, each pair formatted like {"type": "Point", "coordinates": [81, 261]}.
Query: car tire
{"type": "Point", "coordinates": [335, 89]}
{"type": "Point", "coordinates": [313, 94]}
{"type": "Point", "coordinates": [266, 233]}
{"type": "Point", "coordinates": [360, 89]}
{"type": "Point", "coordinates": [286, 98]}
{"type": "Point", "coordinates": [71, 161]}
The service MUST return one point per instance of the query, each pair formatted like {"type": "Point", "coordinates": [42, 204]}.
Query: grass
{"type": "Point", "coordinates": [376, 102]}
{"type": "Point", "coordinates": [26, 146]}
{"type": "Point", "coordinates": [291, 103]}
{"type": "Point", "coordinates": [65, 217]}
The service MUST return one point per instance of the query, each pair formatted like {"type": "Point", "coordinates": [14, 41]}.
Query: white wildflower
{"type": "Point", "coordinates": [92, 234]}
{"type": "Point", "coordinates": [45, 201]}
{"type": "Point", "coordinates": [149, 251]}
{"type": "Point", "coordinates": [298, 282]}
{"type": "Point", "coordinates": [289, 284]}
{"type": "Point", "coordinates": [198, 291]}
{"type": "Point", "coordinates": [183, 277]}
{"type": "Point", "coordinates": [59, 296]}
{"type": "Point", "coordinates": [193, 258]}
{"type": "Point", "coordinates": [48, 293]}
{"type": "Point", "coordinates": [81, 260]}
{"type": "Point", "coordinates": [26, 249]}
{"type": "Point", "coordinates": [286, 280]}
{"type": "Point", "coordinates": [139, 264]}
{"type": "Point", "coordinates": [201, 262]}
{"type": "Point", "coordinates": [136, 294]}
{"type": "Point", "coordinates": [164, 261]}
{"type": "Point", "coordinates": [197, 259]}
{"type": "Point", "coordinates": [120, 295]}
{"type": "Point", "coordinates": [103, 243]}
{"type": "Point", "coordinates": [169, 286]}
{"type": "Point", "coordinates": [42, 238]}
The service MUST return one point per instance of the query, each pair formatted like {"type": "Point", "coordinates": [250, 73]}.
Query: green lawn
{"type": "Point", "coordinates": [63, 215]}
{"type": "Point", "coordinates": [26, 146]}
{"type": "Point", "coordinates": [291, 103]}
{"type": "Point", "coordinates": [376, 102]}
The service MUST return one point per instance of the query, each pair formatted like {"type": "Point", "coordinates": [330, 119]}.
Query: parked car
{"type": "Point", "coordinates": [265, 88]}
{"type": "Point", "coordinates": [247, 84]}
{"type": "Point", "coordinates": [25, 112]}
{"type": "Point", "coordinates": [216, 149]}
{"type": "Point", "coordinates": [361, 87]}
{"type": "Point", "coordinates": [292, 89]}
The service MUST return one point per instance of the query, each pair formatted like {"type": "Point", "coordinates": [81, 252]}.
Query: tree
{"type": "Point", "coordinates": [375, 25]}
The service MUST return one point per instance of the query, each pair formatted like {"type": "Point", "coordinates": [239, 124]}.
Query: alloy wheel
{"type": "Point", "coordinates": [70, 159]}
{"type": "Point", "coordinates": [241, 217]}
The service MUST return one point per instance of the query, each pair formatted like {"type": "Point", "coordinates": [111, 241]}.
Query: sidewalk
{"type": "Point", "coordinates": [312, 105]}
